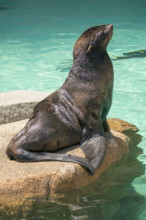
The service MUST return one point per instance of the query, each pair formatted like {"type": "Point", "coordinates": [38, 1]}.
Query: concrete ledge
{"type": "Point", "coordinates": [18, 105]}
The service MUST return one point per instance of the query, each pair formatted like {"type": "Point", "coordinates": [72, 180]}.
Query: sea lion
{"type": "Point", "coordinates": [76, 113]}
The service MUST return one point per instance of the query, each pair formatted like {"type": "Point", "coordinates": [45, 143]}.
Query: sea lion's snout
{"type": "Point", "coordinates": [109, 27]}
{"type": "Point", "coordinates": [109, 30]}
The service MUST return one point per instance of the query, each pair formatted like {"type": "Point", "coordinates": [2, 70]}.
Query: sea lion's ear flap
{"type": "Point", "coordinates": [89, 48]}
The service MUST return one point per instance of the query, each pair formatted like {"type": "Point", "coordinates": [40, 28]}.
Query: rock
{"type": "Point", "coordinates": [121, 126]}
{"type": "Point", "coordinates": [33, 179]}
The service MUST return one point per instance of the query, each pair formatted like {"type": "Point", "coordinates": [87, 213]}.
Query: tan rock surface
{"type": "Point", "coordinates": [120, 125]}
{"type": "Point", "coordinates": [31, 179]}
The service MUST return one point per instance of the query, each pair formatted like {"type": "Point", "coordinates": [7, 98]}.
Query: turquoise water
{"type": "Point", "coordinates": [36, 41]}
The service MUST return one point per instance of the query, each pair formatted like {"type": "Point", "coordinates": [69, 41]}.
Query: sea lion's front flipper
{"type": "Point", "coordinates": [94, 148]}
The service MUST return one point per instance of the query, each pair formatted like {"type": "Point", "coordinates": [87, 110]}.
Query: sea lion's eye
{"type": "Point", "coordinates": [101, 36]}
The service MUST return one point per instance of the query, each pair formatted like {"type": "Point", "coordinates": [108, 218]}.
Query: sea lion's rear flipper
{"type": "Point", "coordinates": [23, 155]}
{"type": "Point", "coordinates": [94, 147]}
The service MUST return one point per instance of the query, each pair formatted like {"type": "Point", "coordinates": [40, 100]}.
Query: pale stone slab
{"type": "Point", "coordinates": [18, 105]}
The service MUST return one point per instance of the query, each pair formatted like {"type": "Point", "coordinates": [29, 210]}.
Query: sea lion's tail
{"type": "Point", "coordinates": [27, 156]}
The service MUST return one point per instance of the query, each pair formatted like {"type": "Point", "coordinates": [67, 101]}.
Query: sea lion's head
{"type": "Point", "coordinates": [94, 39]}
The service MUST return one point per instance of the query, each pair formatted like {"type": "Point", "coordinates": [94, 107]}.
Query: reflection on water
{"type": "Point", "coordinates": [133, 54]}
{"type": "Point", "coordinates": [66, 65]}
{"type": "Point", "coordinates": [112, 197]}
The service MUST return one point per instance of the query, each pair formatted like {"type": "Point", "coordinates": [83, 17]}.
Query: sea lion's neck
{"type": "Point", "coordinates": [86, 67]}
{"type": "Point", "coordinates": [91, 62]}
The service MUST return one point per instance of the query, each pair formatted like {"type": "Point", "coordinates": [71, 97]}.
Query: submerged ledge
{"type": "Point", "coordinates": [25, 180]}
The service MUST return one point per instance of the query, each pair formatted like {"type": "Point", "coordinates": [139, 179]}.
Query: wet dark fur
{"type": "Point", "coordinates": [75, 113]}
